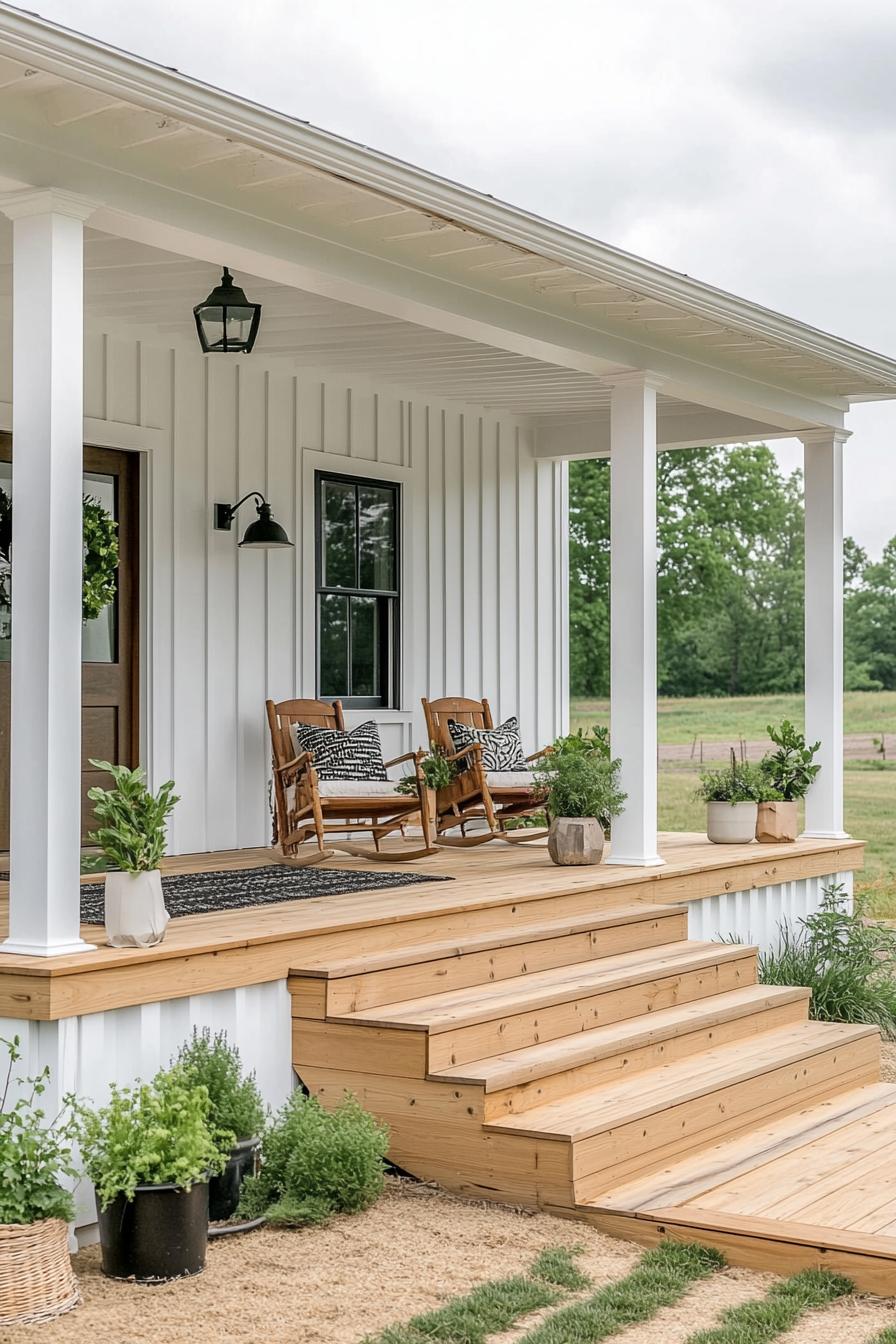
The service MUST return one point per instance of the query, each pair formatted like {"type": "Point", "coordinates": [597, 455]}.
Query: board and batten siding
{"type": "Point", "coordinates": [484, 606]}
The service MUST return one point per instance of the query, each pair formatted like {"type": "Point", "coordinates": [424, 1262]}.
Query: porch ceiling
{"type": "Point", "coordinates": [83, 115]}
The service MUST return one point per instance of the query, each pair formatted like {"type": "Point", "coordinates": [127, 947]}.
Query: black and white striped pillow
{"type": "Point", "coordinates": [355, 754]}
{"type": "Point", "coordinates": [502, 748]}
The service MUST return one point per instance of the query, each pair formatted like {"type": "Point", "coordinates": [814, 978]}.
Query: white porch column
{"type": "Point", "coordinates": [633, 613]}
{"type": "Point", "coordinates": [45, 739]}
{"type": "Point", "coordinates": [823, 473]}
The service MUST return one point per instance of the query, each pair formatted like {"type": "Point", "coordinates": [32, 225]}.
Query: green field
{"type": "Point", "coordinates": [870, 786]}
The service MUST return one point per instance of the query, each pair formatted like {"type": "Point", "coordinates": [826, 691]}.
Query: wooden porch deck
{"type": "Point", "coordinates": [552, 1037]}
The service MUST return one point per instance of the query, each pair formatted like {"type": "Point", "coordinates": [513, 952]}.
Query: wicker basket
{"type": "Point", "coordinates": [36, 1279]}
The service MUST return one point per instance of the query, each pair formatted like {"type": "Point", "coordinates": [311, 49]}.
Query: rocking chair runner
{"type": "Point", "coordinates": [306, 807]}
{"type": "Point", "coordinates": [472, 795]}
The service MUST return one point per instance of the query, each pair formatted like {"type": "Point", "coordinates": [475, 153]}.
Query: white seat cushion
{"type": "Point", "coordinates": [509, 779]}
{"type": "Point", "coordinates": [357, 788]}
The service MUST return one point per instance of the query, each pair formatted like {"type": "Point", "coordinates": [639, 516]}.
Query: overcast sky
{"type": "Point", "coordinates": [750, 145]}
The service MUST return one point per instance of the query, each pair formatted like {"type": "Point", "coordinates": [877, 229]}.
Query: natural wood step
{"type": "Point", "coordinates": [510, 1014]}
{"type": "Point", "coordinates": [518, 1080]}
{"type": "Point", "coordinates": [638, 1125]}
{"type": "Point", "coordinates": [438, 965]}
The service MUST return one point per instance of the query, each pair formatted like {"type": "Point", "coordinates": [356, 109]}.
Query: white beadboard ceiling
{"type": "Point", "coordinates": [68, 100]}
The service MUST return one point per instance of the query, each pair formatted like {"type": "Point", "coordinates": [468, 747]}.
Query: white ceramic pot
{"type": "Point", "coordinates": [777, 822]}
{"type": "Point", "coordinates": [135, 909]}
{"type": "Point", "coordinates": [575, 840]}
{"type": "Point", "coordinates": [731, 823]}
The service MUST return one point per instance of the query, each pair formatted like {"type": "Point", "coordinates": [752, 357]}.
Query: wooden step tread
{"type": "Point", "coordinates": [569, 1052]}
{"type": "Point", "coordinates": [689, 1178]}
{"type": "Point", "coordinates": [329, 967]}
{"type": "Point", "coordinates": [522, 993]}
{"type": "Point", "coordinates": [604, 1107]}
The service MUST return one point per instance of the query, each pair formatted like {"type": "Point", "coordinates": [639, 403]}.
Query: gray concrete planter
{"type": "Point", "coordinates": [575, 840]}
{"type": "Point", "coordinates": [731, 823]}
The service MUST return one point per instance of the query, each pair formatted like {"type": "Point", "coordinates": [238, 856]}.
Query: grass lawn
{"type": "Point", "coordinates": [870, 786]}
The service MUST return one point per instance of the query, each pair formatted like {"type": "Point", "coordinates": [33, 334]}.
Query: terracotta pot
{"type": "Point", "coordinates": [731, 823]}
{"type": "Point", "coordinates": [575, 840]}
{"type": "Point", "coordinates": [135, 913]}
{"type": "Point", "coordinates": [777, 822]}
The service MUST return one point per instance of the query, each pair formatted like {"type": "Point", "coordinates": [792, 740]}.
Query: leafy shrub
{"type": "Point", "coordinates": [34, 1153]}
{"type": "Point", "coordinates": [317, 1162]}
{"type": "Point", "coordinates": [580, 782]}
{"type": "Point", "coordinates": [849, 965]}
{"type": "Point", "coordinates": [132, 820]}
{"type": "Point", "coordinates": [789, 769]}
{"type": "Point", "coordinates": [437, 770]}
{"type": "Point", "coordinates": [149, 1134]}
{"type": "Point", "coordinates": [741, 782]}
{"type": "Point", "coordinates": [596, 741]}
{"type": "Point", "coordinates": [236, 1110]}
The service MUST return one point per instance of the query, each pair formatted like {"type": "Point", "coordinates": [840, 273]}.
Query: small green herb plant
{"type": "Point", "coordinates": [35, 1152]}
{"type": "Point", "coordinates": [437, 771]}
{"type": "Point", "coordinates": [155, 1133]}
{"type": "Point", "coordinates": [236, 1110]}
{"type": "Point", "coordinates": [317, 1163]}
{"type": "Point", "coordinates": [791, 767]}
{"type": "Point", "coordinates": [596, 741]}
{"type": "Point", "coordinates": [846, 959]}
{"type": "Point", "coordinates": [132, 820]}
{"type": "Point", "coordinates": [577, 782]}
{"type": "Point", "coordinates": [741, 782]}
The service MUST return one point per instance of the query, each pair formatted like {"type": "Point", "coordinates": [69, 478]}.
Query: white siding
{"type": "Point", "coordinates": [483, 605]}
{"type": "Point", "coordinates": [756, 916]}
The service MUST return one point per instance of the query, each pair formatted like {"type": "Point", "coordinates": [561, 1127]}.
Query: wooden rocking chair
{"type": "Point", "coordinates": [471, 795]}
{"type": "Point", "coordinates": [306, 807]}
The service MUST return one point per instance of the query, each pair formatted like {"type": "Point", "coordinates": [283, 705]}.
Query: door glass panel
{"type": "Point", "coordinates": [338, 524]}
{"type": "Point", "coordinates": [333, 641]}
{"type": "Point", "coordinates": [365, 647]}
{"type": "Point", "coordinates": [376, 513]}
{"type": "Point", "coordinates": [99, 637]}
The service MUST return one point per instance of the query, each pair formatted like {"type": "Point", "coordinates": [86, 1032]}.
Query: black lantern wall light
{"type": "Point", "coordinates": [264, 534]}
{"type": "Point", "coordinates": [227, 322]}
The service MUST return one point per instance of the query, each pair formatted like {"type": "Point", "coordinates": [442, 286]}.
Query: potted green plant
{"type": "Point", "coordinates": [36, 1279]}
{"type": "Point", "coordinates": [436, 771]}
{"type": "Point", "coordinates": [732, 799]}
{"type": "Point", "coordinates": [789, 770]}
{"type": "Point", "coordinates": [236, 1113]}
{"type": "Point", "coordinates": [131, 833]}
{"type": "Point", "coordinates": [149, 1152]}
{"type": "Point", "coordinates": [580, 785]}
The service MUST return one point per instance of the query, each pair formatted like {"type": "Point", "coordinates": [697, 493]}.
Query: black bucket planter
{"type": "Point", "coordinates": [224, 1189]}
{"type": "Point", "coordinates": [160, 1234]}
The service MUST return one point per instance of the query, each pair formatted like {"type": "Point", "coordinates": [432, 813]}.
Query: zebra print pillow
{"type": "Point", "coordinates": [502, 748]}
{"type": "Point", "coordinates": [353, 754]}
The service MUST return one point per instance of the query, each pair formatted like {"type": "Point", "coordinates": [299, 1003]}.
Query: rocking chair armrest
{"type": "Point", "coordinates": [295, 766]}
{"type": "Point", "coordinates": [537, 755]}
{"type": "Point", "coordinates": [474, 749]}
{"type": "Point", "coordinates": [408, 756]}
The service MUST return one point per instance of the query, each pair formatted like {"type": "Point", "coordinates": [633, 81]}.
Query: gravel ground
{"type": "Point", "coordinates": [411, 1252]}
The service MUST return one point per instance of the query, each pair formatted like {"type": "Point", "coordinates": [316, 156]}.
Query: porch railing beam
{"type": "Point", "coordinates": [823, 474]}
{"type": "Point", "coordinates": [47, 483]}
{"type": "Point", "coordinates": [633, 551]}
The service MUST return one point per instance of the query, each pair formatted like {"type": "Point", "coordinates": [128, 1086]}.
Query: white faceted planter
{"type": "Point", "coordinates": [575, 840]}
{"type": "Point", "coordinates": [731, 823]}
{"type": "Point", "coordinates": [135, 909]}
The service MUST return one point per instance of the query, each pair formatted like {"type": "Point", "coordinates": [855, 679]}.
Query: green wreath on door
{"type": "Point", "coordinates": [100, 555]}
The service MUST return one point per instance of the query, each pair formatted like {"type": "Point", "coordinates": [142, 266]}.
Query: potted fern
{"type": "Point", "coordinates": [131, 833]}
{"type": "Point", "coordinates": [579, 781]}
{"type": "Point", "coordinates": [433, 772]}
{"type": "Point", "coordinates": [789, 770]}
{"type": "Point", "coordinates": [36, 1279]}
{"type": "Point", "coordinates": [236, 1113]}
{"type": "Point", "coordinates": [149, 1152]}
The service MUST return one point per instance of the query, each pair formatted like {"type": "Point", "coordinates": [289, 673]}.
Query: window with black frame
{"type": "Point", "coordinates": [357, 564]}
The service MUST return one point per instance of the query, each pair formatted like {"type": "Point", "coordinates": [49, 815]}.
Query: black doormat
{"type": "Point", "coordinates": [236, 889]}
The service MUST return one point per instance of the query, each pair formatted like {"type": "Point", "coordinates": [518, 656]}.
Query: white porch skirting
{"type": "Point", "coordinates": [85, 1054]}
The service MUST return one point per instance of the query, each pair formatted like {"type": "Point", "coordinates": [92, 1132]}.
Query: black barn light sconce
{"type": "Point", "coordinates": [227, 322]}
{"type": "Point", "coordinates": [264, 534]}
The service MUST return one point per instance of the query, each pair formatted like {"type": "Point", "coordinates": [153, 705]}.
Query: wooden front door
{"type": "Point", "coordinates": [109, 654]}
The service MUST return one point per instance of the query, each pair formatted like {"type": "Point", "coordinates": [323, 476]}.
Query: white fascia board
{"type": "Point", "coordinates": [573, 440]}
{"type": "Point", "coordinates": [172, 220]}
{"type": "Point", "coordinates": [70, 55]}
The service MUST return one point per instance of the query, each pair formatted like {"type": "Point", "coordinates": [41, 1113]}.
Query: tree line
{"type": "Point", "coordinates": [729, 580]}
